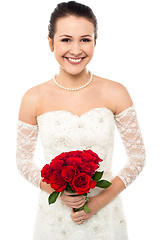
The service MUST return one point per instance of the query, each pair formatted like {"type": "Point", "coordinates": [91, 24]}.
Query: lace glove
{"type": "Point", "coordinates": [128, 127]}
{"type": "Point", "coordinates": [26, 144]}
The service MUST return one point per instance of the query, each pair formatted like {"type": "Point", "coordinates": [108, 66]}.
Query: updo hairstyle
{"type": "Point", "coordinates": [73, 8]}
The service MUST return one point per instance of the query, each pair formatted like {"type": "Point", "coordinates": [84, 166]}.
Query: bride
{"type": "Point", "coordinates": [78, 110]}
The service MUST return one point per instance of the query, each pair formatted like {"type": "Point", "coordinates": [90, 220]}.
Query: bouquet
{"type": "Point", "coordinates": [74, 171]}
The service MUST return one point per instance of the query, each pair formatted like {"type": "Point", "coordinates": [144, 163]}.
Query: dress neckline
{"type": "Point", "coordinates": [75, 115]}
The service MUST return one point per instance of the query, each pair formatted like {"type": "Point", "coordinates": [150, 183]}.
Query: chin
{"type": "Point", "coordinates": [74, 71]}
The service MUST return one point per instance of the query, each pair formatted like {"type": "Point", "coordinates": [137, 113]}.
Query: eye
{"type": "Point", "coordinates": [86, 40]}
{"type": "Point", "coordinates": [65, 40]}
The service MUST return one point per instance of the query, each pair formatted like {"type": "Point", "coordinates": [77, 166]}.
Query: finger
{"type": "Point", "coordinates": [67, 194]}
{"type": "Point", "coordinates": [78, 216]}
{"type": "Point", "coordinates": [70, 194]}
{"type": "Point", "coordinates": [73, 205]}
{"type": "Point", "coordinates": [77, 205]}
{"type": "Point", "coordinates": [80, 222]}
{"type": "Point", "coordinates": [73, 200]}
{"type": "Point", "coordinates": [77, 200]}
{"type": "Point", "coordinates": [78, 219]}
{"type": "Point", "coordinates": [77, 196]}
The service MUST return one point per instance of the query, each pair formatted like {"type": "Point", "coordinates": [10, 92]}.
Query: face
{"type": "Point", "coordinates": [73, 43]}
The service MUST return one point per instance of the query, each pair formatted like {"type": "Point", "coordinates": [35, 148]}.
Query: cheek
{"type": "Point", "coordinates": [90, 51]}
{"type": "Point", "coordinates": [59, 50]}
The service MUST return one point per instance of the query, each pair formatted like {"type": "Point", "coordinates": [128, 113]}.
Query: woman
{"type": "Point", "coordinates": [77, 110]}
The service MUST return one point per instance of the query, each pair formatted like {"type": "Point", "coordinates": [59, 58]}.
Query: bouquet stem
{"type": "Point", "coordinates": [85, 208]}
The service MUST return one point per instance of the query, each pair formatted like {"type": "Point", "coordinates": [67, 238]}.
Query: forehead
{"type": "Point", "coordinates": [73, 24]}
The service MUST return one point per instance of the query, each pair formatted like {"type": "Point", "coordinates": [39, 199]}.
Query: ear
{"type": "Point", "coordinates": [50, 41]}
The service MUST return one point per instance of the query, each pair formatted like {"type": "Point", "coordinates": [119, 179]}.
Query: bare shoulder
{"type": "Point", "coordinates": [30, 102]}
{"type": "Point", "coordinates": [117, 94]}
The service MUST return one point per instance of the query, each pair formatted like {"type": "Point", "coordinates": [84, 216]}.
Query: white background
{"type": "Point", "coordinates": [127, 51]}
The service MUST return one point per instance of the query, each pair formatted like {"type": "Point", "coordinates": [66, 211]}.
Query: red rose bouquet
{"type": "Point", "coordinates": [74, 171]}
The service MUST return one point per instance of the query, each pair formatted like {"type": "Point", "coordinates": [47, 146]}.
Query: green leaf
{"type": "Point", "coordinates": [86, 208]}
{"type": "Point", "coordinates": [87, 199]}
{"type": "Point", "coordinates": [77, 209]}
{"type": "Point", "coordinates": [53, 197]}
{"type": "Point", "coordinates": [97, 176]}
{"type": "Point", "coordinates": [103, 184]}
{"type": "Point", "coordinates": [85, 194]}
{"type": "Point", "coordinates": [61, 193]}
{"type": "Point", "coordinates": [69, 189]}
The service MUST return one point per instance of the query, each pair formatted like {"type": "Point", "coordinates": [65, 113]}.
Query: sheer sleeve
{"type": "Point", "coordinates": [129, 130]}
{"type": "Point", "coordinates": [26, 144]}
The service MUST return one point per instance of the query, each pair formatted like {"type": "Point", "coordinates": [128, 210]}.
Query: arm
{"type": "Point", "coordinates": [127, 124]}
{"type": "Point", "coordinates": [26, 144]}
{"type": "Point", "coordinates": [129, 130]}
{"type": "Point", "coordinates": [27, 133]}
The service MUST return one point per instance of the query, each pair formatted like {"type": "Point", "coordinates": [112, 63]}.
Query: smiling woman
{"type": "Point", "coordinates": [76, 47]}
{"type": "Point", "coordinates": [77, 110]}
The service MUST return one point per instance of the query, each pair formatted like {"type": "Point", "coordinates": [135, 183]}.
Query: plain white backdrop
{"type": "Point", "coordinates": [127, 51]}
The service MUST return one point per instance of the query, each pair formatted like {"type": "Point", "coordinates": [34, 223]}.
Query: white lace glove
{"type": "Point", "coordinates": [129, 130]}
{"type": "Point", "coordinates": [26, 144]}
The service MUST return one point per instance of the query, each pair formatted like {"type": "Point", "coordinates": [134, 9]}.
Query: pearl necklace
{"type": "Point", "coordinates": [74, 89]}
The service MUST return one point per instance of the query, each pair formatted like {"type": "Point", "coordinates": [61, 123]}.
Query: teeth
{"type": "Point", "coordinates": [75, 60]}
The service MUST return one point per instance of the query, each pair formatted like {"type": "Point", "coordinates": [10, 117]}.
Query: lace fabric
{"type": "Point", "coordinates": [26, 144]}
{"type": "Point", "coordinates": [62, 131]}
{"type": "Point", "coordinates": [129, 130]}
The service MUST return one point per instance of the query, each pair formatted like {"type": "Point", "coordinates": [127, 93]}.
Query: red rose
{"type": "Point", "coordinates": [76, 153]}
{"type": "Point", "coordinates": [69, 172]}
{"type": "Point", "coordinates": [46, 173]}
{"type": "Point", "coordinates": [89, 168]}
{"type": "Point", "coordinates": [82, 183]}
{"type": "Point", "coordinates": [91, 152]}
{"type": "Point", "coordinates": [62, 156]}
{"type": "Point", "coordinates": [75, 168]}
{"type": "Point", "coordinates": [57, 164]}
{"type": "Point", "coordinates": [74, 161]}
{"type": "Point", "coordinates": [57, 181]}
{"type": "Point", "coordinates": [87, 156]}
{"type": "Point", "coordinates": [90, 155]}
{"type": "Point", "coordinates": [93, 183]}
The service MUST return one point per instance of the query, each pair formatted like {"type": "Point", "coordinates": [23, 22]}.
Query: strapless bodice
{"type": "Point", "coordinates": [61, 131]}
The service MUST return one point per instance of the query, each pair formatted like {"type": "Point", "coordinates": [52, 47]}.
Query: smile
{"type": "Point", "coordinates": [74, 60]}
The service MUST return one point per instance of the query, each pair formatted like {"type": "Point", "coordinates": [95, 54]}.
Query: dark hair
{"type": "Point", "coordinates": [65, 9]}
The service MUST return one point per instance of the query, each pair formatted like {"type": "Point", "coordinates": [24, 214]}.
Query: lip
{"type": "Point", "coordinates": [67, 58]}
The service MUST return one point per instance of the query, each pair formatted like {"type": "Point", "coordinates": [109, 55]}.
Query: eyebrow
{"type": "Point", "coordinates": [65, 35]}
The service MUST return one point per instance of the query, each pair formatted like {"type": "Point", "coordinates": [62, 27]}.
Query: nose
{"type": "Point", "coordinates": [76, 48]}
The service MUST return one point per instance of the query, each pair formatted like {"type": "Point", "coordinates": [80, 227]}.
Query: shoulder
{"type": "Point", "coordinates": [116, 93]}
{"type": "Point", "coordinates": [30, 102]}
{"type": "Point", "coordinates": [36, 92]}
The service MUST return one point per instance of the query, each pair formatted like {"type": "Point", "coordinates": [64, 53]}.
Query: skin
{"type": "Point", "coordinates": [45, 97]}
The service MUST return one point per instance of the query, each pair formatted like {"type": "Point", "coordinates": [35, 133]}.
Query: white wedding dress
{"type": "Point", "coordinates": [62, 131]}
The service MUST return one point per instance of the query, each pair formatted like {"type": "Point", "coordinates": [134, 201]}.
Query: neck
{"type": "Point", "coordinates": [72, 81]}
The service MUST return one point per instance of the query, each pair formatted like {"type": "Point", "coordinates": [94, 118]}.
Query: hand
{"type": "Point", "coordinates": [46, 187]}
{"type": "Point", "coordinates": [72, 200]}
{"type": "Point", "coordinates": [80, 216]}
